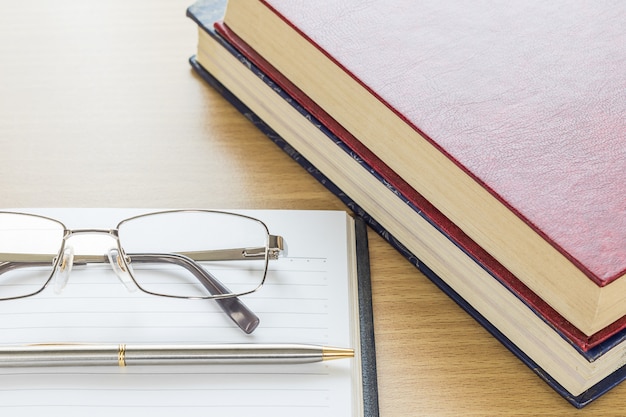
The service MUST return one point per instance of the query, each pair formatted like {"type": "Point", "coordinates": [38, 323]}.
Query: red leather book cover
{"type": "Point", "coordinates": [524, 158]}
{"type": "Point", "coordinates": [542, 123]}
{"type": "Point", "coordinates": [527, 100]}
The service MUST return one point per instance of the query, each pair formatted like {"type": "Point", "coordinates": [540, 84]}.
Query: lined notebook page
{"type": "Point", "coordinates": [309, 297]}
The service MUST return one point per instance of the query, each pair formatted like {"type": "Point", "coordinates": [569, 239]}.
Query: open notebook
{"type": "Point", "coordinates": [315, 294]}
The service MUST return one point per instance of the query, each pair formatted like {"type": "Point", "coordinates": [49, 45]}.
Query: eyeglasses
{"type": "Point", "coordinates": [191, 254]}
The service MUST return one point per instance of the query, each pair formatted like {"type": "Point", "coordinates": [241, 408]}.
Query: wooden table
{"type": "Point", "coordinates": [99, 108]}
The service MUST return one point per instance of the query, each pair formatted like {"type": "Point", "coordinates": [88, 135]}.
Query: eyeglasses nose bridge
{"type": "Point", "coordinates": [113, 255]}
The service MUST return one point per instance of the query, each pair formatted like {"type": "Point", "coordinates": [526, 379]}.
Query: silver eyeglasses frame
{"type": "Point", "coordinates": [120, 261]}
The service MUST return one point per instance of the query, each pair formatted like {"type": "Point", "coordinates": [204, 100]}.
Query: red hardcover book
{"type": "Point", "coordinates": [509, 119]}
{"type": "Point", "coordinates": [582, 340]}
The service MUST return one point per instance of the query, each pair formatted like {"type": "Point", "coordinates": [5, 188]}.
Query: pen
{"type": "Point", "coordinates": [79, 354]}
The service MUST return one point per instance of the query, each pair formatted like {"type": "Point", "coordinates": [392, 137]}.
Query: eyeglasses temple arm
{"type": "Point", "coordinates": [275, 247]}
{"type": "Point", "coordinates": [9, 266]}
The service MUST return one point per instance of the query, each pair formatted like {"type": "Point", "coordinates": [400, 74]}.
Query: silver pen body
{"type": "Point", "coordinates": [138, 354]}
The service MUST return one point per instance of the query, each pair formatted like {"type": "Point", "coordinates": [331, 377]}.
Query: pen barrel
{"type": "Point", "coordinates": [222, 354]}
{"type": "Point", "coordinates": [123, 355]}
{"type": "Point", "coordinates": [59, 355]}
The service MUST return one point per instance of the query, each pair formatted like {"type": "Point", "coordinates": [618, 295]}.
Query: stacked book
{"type": "Point", "coordinates": [486, 142]}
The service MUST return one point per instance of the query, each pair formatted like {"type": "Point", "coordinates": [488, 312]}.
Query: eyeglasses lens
{"type": "Point", "coordinates": [195, 254]}
{"type": "Point", "coordinates": [29, 246]}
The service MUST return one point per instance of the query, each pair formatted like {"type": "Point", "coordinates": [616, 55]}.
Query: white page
{"type": "Point", "coordinates": [307, 299]}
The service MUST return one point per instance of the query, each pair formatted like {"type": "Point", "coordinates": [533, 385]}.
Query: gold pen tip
{"type": "Point", "coordinates": [330, 353]}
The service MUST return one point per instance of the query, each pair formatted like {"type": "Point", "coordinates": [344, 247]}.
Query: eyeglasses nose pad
{"type": "Point", "coordinates": [62, 273]}
{"type": "Point", "coordinates": [121, 270]}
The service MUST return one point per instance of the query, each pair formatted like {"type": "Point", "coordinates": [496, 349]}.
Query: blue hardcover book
{"type": "Point", "coordinates": [205, 13]}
